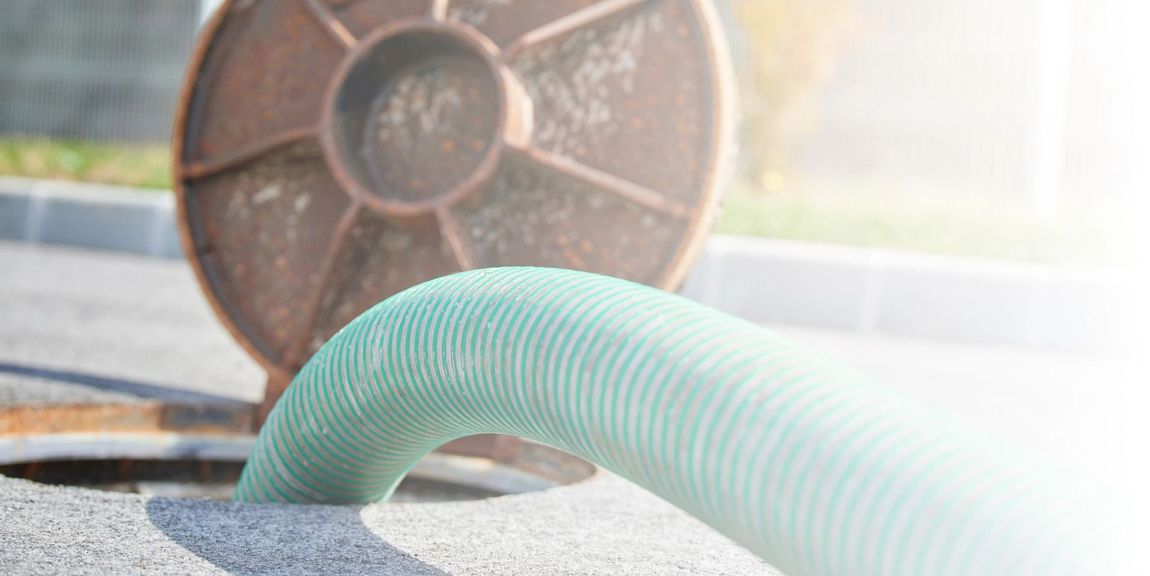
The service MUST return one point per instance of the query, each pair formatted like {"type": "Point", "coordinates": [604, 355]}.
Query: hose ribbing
{"type": "Point", "coordinates": [807, 464]}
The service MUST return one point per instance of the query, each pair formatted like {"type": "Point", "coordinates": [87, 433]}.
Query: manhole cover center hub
{"type": "Point", "coordinates": [417, 115]}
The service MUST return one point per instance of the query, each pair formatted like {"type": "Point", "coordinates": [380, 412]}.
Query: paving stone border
{"type": "Point", "coordinates": [1047, 308]}
{"type": "Point", "coordinates": [89, 216]}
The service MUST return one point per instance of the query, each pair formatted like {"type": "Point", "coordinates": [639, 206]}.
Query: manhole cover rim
{"type": "Point", "coordinates": [720, 97]}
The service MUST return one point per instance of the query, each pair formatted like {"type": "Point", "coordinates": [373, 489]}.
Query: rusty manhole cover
{"type": "Point", "coordinates": [331, 153]}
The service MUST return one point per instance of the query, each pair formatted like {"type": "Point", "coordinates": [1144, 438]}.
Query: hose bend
{"type": "Point", "coordinates": [806, 464]}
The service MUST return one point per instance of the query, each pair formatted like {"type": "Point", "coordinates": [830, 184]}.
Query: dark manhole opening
{"type": "Point", "coordinates": [440, 477]}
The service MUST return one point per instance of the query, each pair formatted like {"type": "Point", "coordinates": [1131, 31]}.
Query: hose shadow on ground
{"type": "Point", "coordinates": [141, 390]}
{"type": "Point", "coordinates": [247, 539]}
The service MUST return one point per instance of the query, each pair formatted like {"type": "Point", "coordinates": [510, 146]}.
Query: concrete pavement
{"type": "Point", "coordinates": [144, 320]}
{"type": "Point", "coordinates": [120, 317]}
{"type": "Point", "coordinates": [602, 527]}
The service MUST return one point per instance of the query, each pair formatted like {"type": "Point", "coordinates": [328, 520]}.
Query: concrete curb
{"type": "Point", "coordinates": [919, 296]}
{"type": "Point", "coordinates": [89, 216]}
{"type": "Point", "coordinates": [769, 281]}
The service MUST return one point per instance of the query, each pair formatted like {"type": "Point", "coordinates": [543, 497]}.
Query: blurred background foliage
{"type": "Point", "coordinates": [908, 124]}
{"type": "Point", "coordinates": [139, 165]}
{"type": "Point", "coordinates": [793, 48]}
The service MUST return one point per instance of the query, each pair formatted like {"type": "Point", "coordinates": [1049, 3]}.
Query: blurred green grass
{"type": "Point", "coordinates": [141, 166]}
{"type": "Point", "coordinates": [946, 226]}
{"type": "Point", "coordinates": [859, 216]}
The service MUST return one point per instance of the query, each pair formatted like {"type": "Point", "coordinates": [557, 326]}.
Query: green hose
{"type": "Point", "coordinates": [806, 464]}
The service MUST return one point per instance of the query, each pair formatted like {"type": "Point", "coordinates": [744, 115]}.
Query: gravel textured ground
{"type": "Point", "coordinates": [105, 326]}
{"type": "Point", "coordinates": [603, 526]}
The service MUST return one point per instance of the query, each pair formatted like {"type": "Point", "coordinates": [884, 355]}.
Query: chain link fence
{"type": "Point", "coordinates": [106, 70]}
{"type": "Point", "coordinates": [987, 99]}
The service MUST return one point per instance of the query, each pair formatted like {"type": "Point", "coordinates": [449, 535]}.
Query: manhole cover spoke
{"type": "Point", "coordinates": [332, 153]}
{"type": "Point", "coordinates": [331, 23]}
{"type": "Point", "coordinates": [284, 204]}
{"type": "Point", "coordinates": [247, 153]}
{"type": "Point", "coordinates": [609, 183]}
{"type": "Point", "coordinates": [519, 26]}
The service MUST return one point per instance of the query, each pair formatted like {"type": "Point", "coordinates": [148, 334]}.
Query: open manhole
{"type": "Point", "coordinates": [438, 478]}
{"type": "Point", "coordinates": [75, 429]}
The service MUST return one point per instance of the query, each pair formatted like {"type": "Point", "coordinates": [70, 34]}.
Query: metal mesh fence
{"type": "Point", "coordinates": [990, 99]}
{"type": "Point", "coordinates": [93, 69]}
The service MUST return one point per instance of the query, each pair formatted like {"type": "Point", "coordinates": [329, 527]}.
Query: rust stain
{"type": "Point", "coordinates": [331, 153]}
{"type": "Point", "coordinates": [140, 417]}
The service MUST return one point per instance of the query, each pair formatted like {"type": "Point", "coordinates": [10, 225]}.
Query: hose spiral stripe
{"type": "Point", "coordinates": [807, 464]}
